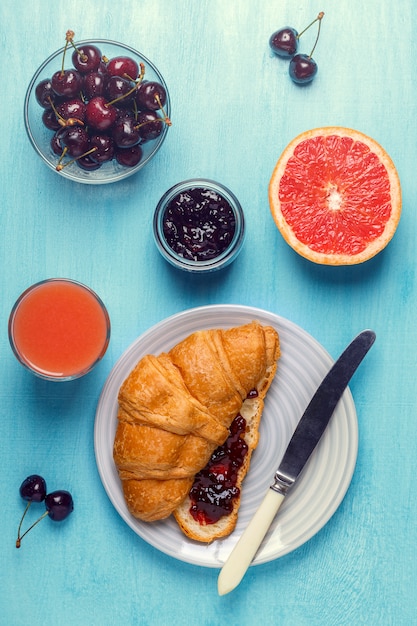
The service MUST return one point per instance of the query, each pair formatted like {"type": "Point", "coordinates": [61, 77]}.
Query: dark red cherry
{"type": "Point", "coordinates": [302, 69]}
{"type": "Point", "coordinates": [59, 504]}
{"type": "Point", "coordinates": [44, 93]}
{"type": "Point", "coordinates": [76, 139]}
{"type": "Point", "coordinates": [33, 488]}
{"type": "Point", "coordinates": [129, 157]}
{"type": "Point", "coordinates": [151, 95]}
{"type": "Point", "coordinates": [66, 83]}
{"type": "Point", "coordinates": [74, 108]}
{"type": "Point", "coordinates": [50, 119]}
{"type": "Point", "coordinates": [125, 133]}
{"type": "Point", "coordinates": [93, 85]}
{"type": "Point", "coordinates": [102, 68]}
{"type": "Point", "coordinates": [104, 148]}
{"type": "Point", "coordinates": [150, 125]}
{"type": "Point", "coordinates": [86, 58]}
{"type": "Point", "coordinates": [100, 115]}
{"type": "Point", "coordinates": [56, 141]}
{"type": "Point", "coordinates": [86, 163]}
{"type": "Point", "coordinates": [123, 66]}
{"type": "Point", "coordinates": [118, 87]}
{"type": "Point", "coordinates": [284, 42]}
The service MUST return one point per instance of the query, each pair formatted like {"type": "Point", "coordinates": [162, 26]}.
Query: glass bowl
{"type": "Point", "coordinates": [212, 209]}
{"type": "Point", "coordinates": [59, 329]}
{"type": "Point", "coordinates": [40, 136]}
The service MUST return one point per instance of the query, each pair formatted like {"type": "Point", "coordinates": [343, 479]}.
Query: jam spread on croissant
{"type": "Point", "coordinates": [214, 488]}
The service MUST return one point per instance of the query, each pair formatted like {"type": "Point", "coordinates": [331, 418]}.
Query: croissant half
{"type": "Point", "coordinates": [175, 409]}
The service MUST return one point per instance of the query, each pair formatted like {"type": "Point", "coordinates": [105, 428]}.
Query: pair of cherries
{"type": "Point", "coordinates": [59, 504]}
{"type": "Point", "coordinates": [284, 43]}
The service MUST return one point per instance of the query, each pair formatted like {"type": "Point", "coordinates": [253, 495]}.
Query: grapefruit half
{"type": "Point", "coordinates": [335, 196]}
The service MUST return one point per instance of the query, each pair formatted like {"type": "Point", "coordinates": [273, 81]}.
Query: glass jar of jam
{"type": "Point", "coordinates": [199, 226]}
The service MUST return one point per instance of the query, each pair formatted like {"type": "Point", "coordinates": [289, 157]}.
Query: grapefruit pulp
{"type": "Point", "coordinates": [335, 196]}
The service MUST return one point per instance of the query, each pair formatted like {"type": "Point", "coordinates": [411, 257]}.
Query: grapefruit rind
{"type": "Point", "coordinates": [325, 258]}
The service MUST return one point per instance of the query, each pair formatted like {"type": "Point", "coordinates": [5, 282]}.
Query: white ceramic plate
{"type": "Point", "coordinates": [320, 489]}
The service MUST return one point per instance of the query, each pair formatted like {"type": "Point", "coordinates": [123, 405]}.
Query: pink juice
{"type": "Point", "coordinates": [59, 329]}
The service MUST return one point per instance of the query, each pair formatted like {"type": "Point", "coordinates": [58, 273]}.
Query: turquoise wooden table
{"type": "Point", "coordinates": [234, 110]}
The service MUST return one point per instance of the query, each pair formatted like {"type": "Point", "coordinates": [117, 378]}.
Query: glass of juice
{"type": "Point", "coordinates": [59, 329]}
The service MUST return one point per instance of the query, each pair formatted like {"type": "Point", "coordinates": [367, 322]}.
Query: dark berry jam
{"type": "Point", "coordinates": [253, 393]}
{"type": "Point", "coordinates": [214, 488]}
{"type": "Point", "coordinates": [199, 224]}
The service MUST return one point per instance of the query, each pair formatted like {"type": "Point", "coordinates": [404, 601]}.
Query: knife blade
{"type": "Point", "coordinates": [307, 434]}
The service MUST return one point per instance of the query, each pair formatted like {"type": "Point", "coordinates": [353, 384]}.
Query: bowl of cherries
{"type": "Point", "coordinates": [96, 111]}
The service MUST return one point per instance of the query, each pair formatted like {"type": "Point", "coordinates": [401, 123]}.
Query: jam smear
{"type": "Point", "coordinates": [199, 224]}
{"type": "Point", "coordinates": [214, 488]}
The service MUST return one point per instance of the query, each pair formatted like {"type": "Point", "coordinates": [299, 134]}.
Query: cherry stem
{"type": "Point", "coordinates": [19, 536]}
{"type": "Point", "coordinates": [63, 59]}
{"type": "Point", "coordinates": [166, 118]}
{"type": "Point", "coordinates": [61, 165]}
{"type": "Point", "coordinates": [64, 152]}
{"type": "Point", "coordinates": [163, 120]}
{"type": "Point", "coordinates": [69, 37]}
{"type": "Point", "coordinates": [318, 18]}
{"type": "Point", "coordinates": [21, 522]}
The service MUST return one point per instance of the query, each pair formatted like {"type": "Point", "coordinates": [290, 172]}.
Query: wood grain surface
{"type": "Point", "coordinates": [234, 109]}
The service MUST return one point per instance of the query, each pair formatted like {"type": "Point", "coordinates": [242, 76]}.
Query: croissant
{"type": "Point", "coordinates": [175, 409]}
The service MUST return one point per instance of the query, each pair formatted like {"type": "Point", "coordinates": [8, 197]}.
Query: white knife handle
{"type": "Point", "coordinates": [242, 554]}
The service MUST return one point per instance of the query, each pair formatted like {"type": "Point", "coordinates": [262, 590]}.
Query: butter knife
{"type": "Point", "coordinates": [306, 436]}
